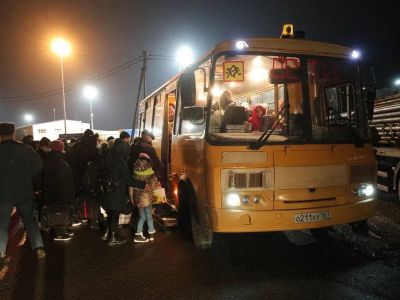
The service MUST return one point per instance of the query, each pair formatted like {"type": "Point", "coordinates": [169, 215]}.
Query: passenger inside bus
{"type": "Point", "coordinates": [256, 119]}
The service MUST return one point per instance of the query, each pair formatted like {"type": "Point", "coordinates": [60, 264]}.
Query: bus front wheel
{"type": "Point", "coordinates": [201, 236]}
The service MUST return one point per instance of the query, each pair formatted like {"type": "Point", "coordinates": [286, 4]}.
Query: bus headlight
{"type": "Point", "coordinates": [365, 190]}
{"type": "Point", "coordinates": [232, 199]}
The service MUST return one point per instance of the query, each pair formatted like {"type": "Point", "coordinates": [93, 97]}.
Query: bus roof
{"type": "Point", "coordinates": [278, 45]}
{"type": "Point", "coordinates": [295, 46]}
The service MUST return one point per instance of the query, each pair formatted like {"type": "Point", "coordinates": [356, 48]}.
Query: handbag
{"type": "Point", "coordinates": [159, 196]}
{"type": "Point", "coordinates": [126, 214]}
{"type": "Point", "coordinates": [57, 215]}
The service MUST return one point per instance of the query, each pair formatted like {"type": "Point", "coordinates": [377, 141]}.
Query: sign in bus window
{"type": "Point", "coordinates": [233, 71]}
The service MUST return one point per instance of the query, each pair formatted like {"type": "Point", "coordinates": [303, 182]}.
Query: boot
{"type": "Point", "coordinates": [115, 240]}
{"type": "Point", "coordinates": [104, 236]}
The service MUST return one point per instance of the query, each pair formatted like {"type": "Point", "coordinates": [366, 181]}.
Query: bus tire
{"type": "Point", "coordinates": [201, 235]}
{"type": "Point", "coordinates": [184, 212]}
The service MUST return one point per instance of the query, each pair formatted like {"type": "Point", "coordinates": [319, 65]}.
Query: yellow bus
{"type": "Point", "coordinates": [264, 134]}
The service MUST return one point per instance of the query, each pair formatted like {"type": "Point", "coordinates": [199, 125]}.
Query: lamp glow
{"type": "Point", "coordinates": [216, 91]}
{"type": "Point", "coordinates": [397, 82]}
{"type": "Point", "coordinates": [240, 45]}
{"type": "Point", "coordinates": [90, 92]}
{"type": "Point", "coordinates": [61, 47]}
{"type": "Point", "coordinates": [28, 118]}
{"type": "Point", "coordinates": [184, 57]}
{"type": "Point", "coordinates": [355, 54]}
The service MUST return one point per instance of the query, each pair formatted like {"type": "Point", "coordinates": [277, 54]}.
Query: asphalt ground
{"type": "Point", "coordinates": [293, 265]}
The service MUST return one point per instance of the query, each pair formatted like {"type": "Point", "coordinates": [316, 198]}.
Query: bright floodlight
{"type": "Point", "coordinates": [90, 92]}
{"type": "Point", "coordinates": [28, 117]}
{"type": "Point", "coordinates": [61, 47]}
{"type": "Point", "coordinates": [397, 81]}
{"type": "Point", "coordinates": [184, 57]}
{"type": "Point", "coordinates": [355, 54]}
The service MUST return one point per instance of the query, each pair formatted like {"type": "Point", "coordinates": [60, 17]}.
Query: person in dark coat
{"type": "Point", "coordinates": [58, 181]}
{"type": "Point", "coordinates": [143, 145]}
{"type": "Point", "coordinates": [58, 184]}
{"type": "Point", "coordinates": [44, 147]}
{"type": "Point", "coordinates": [18, 165]}
{"type": "Point", "coordinates": [79, 157]}
{"type": "Point", "coordinates": [116, 202]}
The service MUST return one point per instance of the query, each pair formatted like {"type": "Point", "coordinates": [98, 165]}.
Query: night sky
{"type": "Point", "coordinates": [108, 33]}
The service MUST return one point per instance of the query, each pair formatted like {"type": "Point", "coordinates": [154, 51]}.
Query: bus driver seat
{"type": "Point", "coordinates": [234, 119]}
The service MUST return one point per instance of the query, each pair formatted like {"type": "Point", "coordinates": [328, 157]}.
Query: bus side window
{"type": "Point", "coordinates": [171, 98]}
{"type": "Point", "coordinates": [149, 113]}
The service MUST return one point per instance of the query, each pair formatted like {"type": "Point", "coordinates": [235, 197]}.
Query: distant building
{"type": "Point", "coordinates": [51, 130]}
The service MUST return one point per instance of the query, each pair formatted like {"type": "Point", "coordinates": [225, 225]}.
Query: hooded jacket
{"type": "Point", "coordinates": [116, 163]}
{"type": "Point", "coordinates": [255, 119]}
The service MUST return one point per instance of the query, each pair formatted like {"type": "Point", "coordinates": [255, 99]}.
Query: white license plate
{"type": "Point", "coordinates": [312, 217]}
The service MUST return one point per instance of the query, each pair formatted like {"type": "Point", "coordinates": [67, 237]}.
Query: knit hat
{"type": "Point", "coordinates": [57, 146]}
{"type": "Point", "coordinates": [44, 142]}
{"type": "Point", "coordinates": [124, 135]}
{"type": "Point", "coordinates": [88, 132]}
{"type": "Point", "coordinates": [148, 133]}
{"type": "Point", "coordinates": [142, 169]}
{"type": "Point", "coordinates": [7, 128]}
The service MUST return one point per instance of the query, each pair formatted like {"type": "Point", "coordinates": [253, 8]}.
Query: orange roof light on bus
{"type": "Point", "coordinates": [287, 31]}
{"type": "Point", "coordinates": [61, 47]}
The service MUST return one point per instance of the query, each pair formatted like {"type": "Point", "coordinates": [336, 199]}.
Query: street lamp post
{"type": "Point", "coordinates": [62, 48]}
{"type": "Point", "coordinates": [90, 92]}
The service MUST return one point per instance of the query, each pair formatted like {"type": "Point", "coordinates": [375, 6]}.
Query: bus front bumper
{"type": "Point", "coordinates": [240, 220]}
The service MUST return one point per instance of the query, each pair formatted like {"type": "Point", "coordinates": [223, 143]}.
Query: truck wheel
{"type": "Point", "coordinates": [202, 236]}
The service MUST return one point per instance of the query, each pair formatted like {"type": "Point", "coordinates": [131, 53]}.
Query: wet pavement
{"type": "Point", "coordinates": [340, 264]}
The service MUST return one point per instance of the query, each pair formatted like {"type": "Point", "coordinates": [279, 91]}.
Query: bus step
{"type": "Point", "coordinates": [382, 188]}
{"type": "Point", "coordinates": [165, 215]}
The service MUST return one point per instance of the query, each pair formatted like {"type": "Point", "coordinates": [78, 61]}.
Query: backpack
{"type": "Point", "coordinates": [106, 184]}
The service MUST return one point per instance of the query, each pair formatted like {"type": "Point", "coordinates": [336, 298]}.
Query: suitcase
{"type": "Point", "coordinates": [89, 209]}
{"type": "Point", "coordinates": [57, 215]}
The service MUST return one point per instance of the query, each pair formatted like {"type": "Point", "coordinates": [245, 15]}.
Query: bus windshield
{"type": "Point", "coordinates": [252, 94]}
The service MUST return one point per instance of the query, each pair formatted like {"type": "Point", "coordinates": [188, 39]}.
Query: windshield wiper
{"type": "Point", "coordinates": [267, 133]}
{"type": "Point", "coordinates": [358, 141]}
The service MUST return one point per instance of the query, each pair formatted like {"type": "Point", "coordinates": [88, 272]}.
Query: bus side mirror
{"type": "Point", "coordinates": [188, 89]}
{"type": "Point", "coordinates": [369, 97]}
{"type": "Point", "coordinates": [193, 114]}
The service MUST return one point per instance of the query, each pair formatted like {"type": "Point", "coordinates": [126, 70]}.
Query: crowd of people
{"type": "Point", "coordinates": [55, 185]}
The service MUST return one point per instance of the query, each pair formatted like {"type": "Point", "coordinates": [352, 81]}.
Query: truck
{"type": "Point", "coordinates": [385, 127]}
